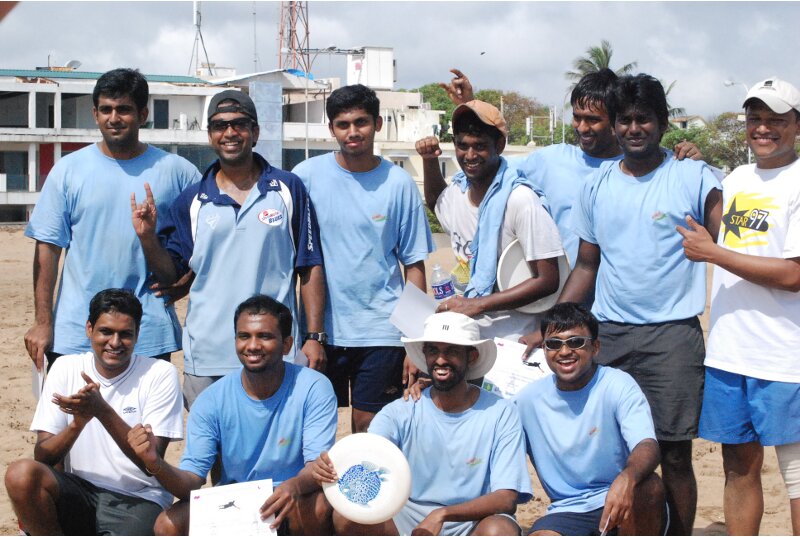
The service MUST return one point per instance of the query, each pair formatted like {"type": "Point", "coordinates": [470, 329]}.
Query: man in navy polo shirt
{"type": "Point", "coordinates": [246, 228]}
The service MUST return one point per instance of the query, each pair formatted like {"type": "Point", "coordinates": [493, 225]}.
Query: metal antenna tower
{"type": "Point", "coordinates": [198, 42]}
{"type": "Point", "coordinates": [293, 36]}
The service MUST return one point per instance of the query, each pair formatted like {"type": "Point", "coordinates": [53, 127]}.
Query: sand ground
{"type": "Point", "coordinates": [17, 406]}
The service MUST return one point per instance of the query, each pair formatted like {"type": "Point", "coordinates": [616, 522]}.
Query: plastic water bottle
{"type": "Point", "coordinates": [441, 284]}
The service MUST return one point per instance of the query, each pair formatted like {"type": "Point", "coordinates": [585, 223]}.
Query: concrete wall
{"type": "Point", "coordinates": [14, 111]}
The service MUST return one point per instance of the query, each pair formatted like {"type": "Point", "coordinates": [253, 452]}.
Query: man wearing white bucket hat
{"type": "Point", "coordinates": [752, 379]}
{"type": "Point", "coordinates": [464, 445]}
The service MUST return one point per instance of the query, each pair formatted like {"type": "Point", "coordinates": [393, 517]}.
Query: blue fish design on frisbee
{"type": "Point", "coordinates": [361, 483]}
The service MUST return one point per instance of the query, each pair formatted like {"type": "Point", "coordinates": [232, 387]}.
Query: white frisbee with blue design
{"type": "Point", "coordinates": [374, 478]}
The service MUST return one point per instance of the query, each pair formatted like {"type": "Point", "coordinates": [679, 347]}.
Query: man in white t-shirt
{"type": "Point", "coordinates": [752, 383]}
{"type": "Point", "coordinates": [485, 208]}
{"type": "Point", "coordinates": [105, 488]}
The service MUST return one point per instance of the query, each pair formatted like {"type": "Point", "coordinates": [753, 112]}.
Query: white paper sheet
{"type": "Point", "coordinates": [230, 510]}
{"type": "Point", "coordinates": [37, 379]}
{"type": "Point", "coordinates": [412, 309]}
{"type": "Point", "coordinates": [510, 374]}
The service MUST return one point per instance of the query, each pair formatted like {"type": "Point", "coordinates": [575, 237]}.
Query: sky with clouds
{"type": "Point", "coordinates": [522, 46]}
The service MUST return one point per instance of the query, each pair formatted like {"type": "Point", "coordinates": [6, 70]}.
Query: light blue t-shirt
{"type": "Point", "coordinates": [269, 439]}
{"type": "Point", "coordinates": [455, 458]}
{"type": "Point", "coordinates": [644, 276]}
{"type": "Point", "coordinates": [579, 441]}
{"type": "Point", "coordinates": [85, 207]}
{"type": "Point", "coordinates": [369, 223]}
{"type": "Point", "coordinates": [560, 171]}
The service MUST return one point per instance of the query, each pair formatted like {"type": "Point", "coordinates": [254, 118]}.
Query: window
{"type": "Point", "coordinates": [397, 162]}
{"type": "Point", "coordinates": [160, 114]}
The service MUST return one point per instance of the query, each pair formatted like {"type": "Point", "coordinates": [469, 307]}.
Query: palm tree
{"type": "Point", "coordinates": [673, 111]}
{"type": "Point", "coordinates": [596, 58]}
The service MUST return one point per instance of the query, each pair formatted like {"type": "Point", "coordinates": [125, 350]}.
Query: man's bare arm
{"type": "Point", "coordinates": [433, 183]}
{"type": "Point", "coordinates": [144, 217]}
{"type": "Point", "coordinates": [499, 501]}
{"type": "Point", "coordinates": [312, 291]}
{"type": "Point", "coordinates": [582, 279]}
{"type": "Point", "coordinates": [146, 448]}
{"type": "Point", "coordinates": [39, 338]}
{"type": "Point", "coordinates": [642, 462]}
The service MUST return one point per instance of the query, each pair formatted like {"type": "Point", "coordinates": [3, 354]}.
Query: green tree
{"type": "Point", "coordinates": [437, 97]}
{"type": "Point", "coordinates": [596, 58]}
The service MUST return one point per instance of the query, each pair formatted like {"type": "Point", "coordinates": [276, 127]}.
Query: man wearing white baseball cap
{"type": "Point", "coordinates": [464, 445]}
{"type": "Point", "coordinates": [752, 384]}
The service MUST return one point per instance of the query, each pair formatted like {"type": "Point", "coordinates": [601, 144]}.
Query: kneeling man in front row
{"type": "Point", "coordinates": [463, 444]}
{"type": "Point", "coordinates": [89, 403]}
{"type": "Point", "coordinates": [590, 435]}
{"type": "Point", "coordinates": [270, 420]}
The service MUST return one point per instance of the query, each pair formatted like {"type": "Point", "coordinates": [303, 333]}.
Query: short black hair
{"type": "Point", "coordinates": [468, 122]}
{"type": "Point", "coordinates": [120, 82]}
{"type": "Point", "coordinates": [353, 97]}
{"type": "Point", "coordinates": [594, 89]}
{"type": "Point", "coordinates": [568, 315]}
{"type": "Point", "coordinates": [642, 92]}
{"type": "Point", "coordinates": [263, 304]}
{"type": "Point", "coordinates": [118, 301]}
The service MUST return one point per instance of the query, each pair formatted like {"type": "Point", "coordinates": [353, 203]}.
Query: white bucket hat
{"type": "Point", "coordinates": [455, 329]}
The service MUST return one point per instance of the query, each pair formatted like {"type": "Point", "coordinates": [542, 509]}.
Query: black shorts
{"type": "Point", "coordinates": [569, 523]}
{"type": "Point", "coordinates": [370, 377]}
{"type": "Point", "coordinates": [85, 509]}
{"type": "Point", "coordinates": [666, 360]}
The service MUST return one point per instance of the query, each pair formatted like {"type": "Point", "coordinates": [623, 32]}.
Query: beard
{"type": "Point", "coordinates": [457, 377]}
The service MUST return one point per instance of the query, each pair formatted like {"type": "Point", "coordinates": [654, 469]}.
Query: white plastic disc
{"type": "Point", "coordinates": [374, 478]}
{"type": "Point", "coordinates": [513, 269]}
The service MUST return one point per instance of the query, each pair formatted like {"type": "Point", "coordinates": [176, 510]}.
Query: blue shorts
{"type": "Point", "coordinates": [372, 377]}
{"type": "Point", "coordinates": [738, 409]}
{"type": "Point", "coordinates": [570, 523]}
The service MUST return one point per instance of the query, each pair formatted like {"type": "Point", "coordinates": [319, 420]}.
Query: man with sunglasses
{"type": "Point", "coordinates": [590, 436]}
{"type": "Point", "coordinates": [246, 228]}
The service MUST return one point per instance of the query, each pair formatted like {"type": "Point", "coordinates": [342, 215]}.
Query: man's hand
{"type": "Point", "coordinates": [431, 524]}
{"type": "Point", "coordinates": [281, 503]}
{"type": "Point", "coordinates": [428, 147]}
{"type": "Point", "coordinates": [459, 90]}
{"type": "Point", "coordinates": [88, 403]}
{"type": "Point", "coordinates": [38, 340]}
{"type": "Point", "coordinates": [143, 442]}
{"type": "Point", "coordinates": [176, 291]}
{"type": "Point", "coordinates": [531, 340]}
{"type": "Point", "coordinates": [322, 469]}
{"type": "Point", "coordinates": [619, 502]}
{"type": "Point", "coordinates": [315, 353]}
{"type": "Point", "coordinates": [410, 372]}
{"type": "Point", "coordinates": [688, 150]}
{"type": "Point", "coordinates": [144, 216]}
{"type": "Point", "coordinates": [415, 390]}
{"type": "Point", "coordinates": [697, 242]}
{"type": "Point", "coordinates": [471, 307]}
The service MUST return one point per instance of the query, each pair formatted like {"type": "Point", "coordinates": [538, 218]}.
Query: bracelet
{"type": "Point", "coordinates": [153, 474]}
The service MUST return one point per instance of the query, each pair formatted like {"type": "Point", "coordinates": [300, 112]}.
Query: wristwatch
{"type": "Point", "coordinates": [322, 337]}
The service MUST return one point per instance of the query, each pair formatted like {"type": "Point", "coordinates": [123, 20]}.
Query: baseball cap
{"type": "Point", "coordinates": [778, 94]}
{"type": "Point", "coordinates": [486, 112]}
{"type": "Point", "coordinates": [244, 104]}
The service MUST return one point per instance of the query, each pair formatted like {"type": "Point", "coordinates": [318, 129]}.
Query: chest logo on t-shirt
{"type": "Point", "coordinates": [378, 218]}
{"type": "Point", "coordinates": [474, 461]}
{"type": "Point", "coordinates": [283, 442]}
{"type": "Point", "coordinates": [129, 410]}
{"type": "Point", "coordinates": [271, 217]}
{"type": "Point", "coordinates": [212, 220]}
{"type": "Point", "coordinates": [745, 220]}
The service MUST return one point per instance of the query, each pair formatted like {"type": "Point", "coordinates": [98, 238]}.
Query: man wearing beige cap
{"type": "Point", "coordinates": [752, 383]}
{"type": "Point", "coordinates": [486, 207]}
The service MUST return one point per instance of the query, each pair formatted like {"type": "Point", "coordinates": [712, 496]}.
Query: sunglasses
{"type": "Point", "coordinates": [573, 343]}
{"type": "Point", "coordinates": [239, 124]}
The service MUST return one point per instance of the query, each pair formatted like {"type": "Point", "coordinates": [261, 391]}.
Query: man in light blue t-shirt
{"type": "Point", "coordinates": [464, 445]}
{"type": "Point", "coordinates": [647, 293]}
{"type": "Point", "coordinates": [269, 420]}
{"type": "Point", "coordinates": [371, 221]}
{"type": "Point", "coordinates": [590, 436]}
{"type": "Point", "coordinates": [84, 208]}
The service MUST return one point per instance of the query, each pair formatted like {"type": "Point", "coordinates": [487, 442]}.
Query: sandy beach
{"type": "Point", "coordinates": [16, 410]}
